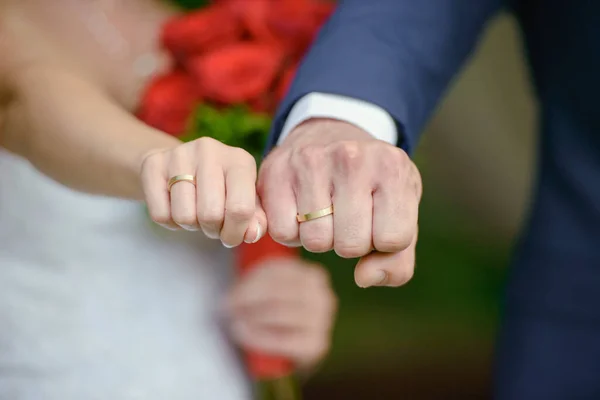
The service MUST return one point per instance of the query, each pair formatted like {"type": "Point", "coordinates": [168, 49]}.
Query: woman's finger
{"type": "Point", "coordinates": [286, 316]}
{"type": "Point", "coordinates": [257, 294]}
{"type": "Point", "coordinates": [210, 198]}
{"type": "Point", "coordinates": [183, 193]}
{"type": "Point", "coordinates": [301, 346]}
{"type": "Point", "coordinates": [154, 182]}
{"type": "Point", "coordinates": [240, 200]}
{"type": "Point", "coordinates": [258, 226]}
{"type": "Point", "coordinates": [298, 315]}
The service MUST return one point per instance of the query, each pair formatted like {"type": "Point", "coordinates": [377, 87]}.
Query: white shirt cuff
{"type": "Point", "coordinates": [367, 116]}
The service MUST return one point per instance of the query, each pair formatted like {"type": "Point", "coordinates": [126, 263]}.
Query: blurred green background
{"type": "Point", "coordinates": [434, 338]}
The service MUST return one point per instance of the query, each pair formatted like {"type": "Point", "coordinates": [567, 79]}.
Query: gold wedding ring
{"type": "Point", "coordinates": [181, 178]}
{"type": "Point", "coordinates": [315, 214]}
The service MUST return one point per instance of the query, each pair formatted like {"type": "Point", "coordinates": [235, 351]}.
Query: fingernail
{"type": "Point", "coordinates": [258, 235]}
{"type": "Point", "coordinates": [210, 235]}
{"type": "Point", "coordinates": [379, 278]}
{"type": "Point", "coordinates": [229, 246]}
{"type": "Point", "coordinates": [168, 227]}
{"type": "Point", "coordinates": [190, 228]}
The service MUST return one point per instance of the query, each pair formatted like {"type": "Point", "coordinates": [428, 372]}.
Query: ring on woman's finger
{"type": "Point", "coordinates": [181, 178]}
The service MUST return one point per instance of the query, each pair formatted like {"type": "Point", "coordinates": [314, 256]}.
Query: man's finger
{"type": "Point", "coordinates": [386, 269]}
{"type": "Point", "coordinates": [279, 202]}
{"type": "Point", "coordinates": [353, 205]}
{"type": "Point", "coordinates": [240, 204]}
{"type": "Point", "coordinates": [395, 215]}
{"type": "Point", "coordinates": [296, 344]}
{"type": "Point", "coordinates": [313, 193]}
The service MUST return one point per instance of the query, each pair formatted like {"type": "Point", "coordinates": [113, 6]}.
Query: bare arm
{"type": "Point", "coordinates": [72, 131]}
{"type": "Point", "coordinates": [59, 115]}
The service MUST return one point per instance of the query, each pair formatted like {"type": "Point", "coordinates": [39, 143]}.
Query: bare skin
{"type": "Point", "coordinates": [67, 91]}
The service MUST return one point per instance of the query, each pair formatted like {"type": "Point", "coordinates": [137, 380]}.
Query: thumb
{"type": "Point", "coordinates": [258, 226]}
{"type": "Point", "coordinates": [386, 269]}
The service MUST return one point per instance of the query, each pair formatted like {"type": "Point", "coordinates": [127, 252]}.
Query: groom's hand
{"type": "Point", "coordinates": [374, 187]}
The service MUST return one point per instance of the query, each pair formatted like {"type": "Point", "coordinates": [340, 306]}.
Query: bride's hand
{"type": "Point", "coordinates": [285, 308]}
{"type": "Point", "coordinates": [222, 202]}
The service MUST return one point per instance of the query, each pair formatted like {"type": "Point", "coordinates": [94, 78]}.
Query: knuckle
{"type": "Point", "coordinates": [210, 216]}
{"type": "Point", "coordinates": [160, 217]}
{"type": "Point", "coordinates": [239, 211]}
{"type": "Point", "coordinates": [348, 154]}
{"type": "Point", "coordinates": [243, 157]}
{"type": "Point", "coordinates": [392, 160]}
{"type": "Point", "coordinates": [152, 164]}
{"type": "Point", "coordinates": [277, 157]}
{"type": "Point", "coordinates": [316, 243]}
{"type": "Point", "coordinates": [282, 235]}
{"type": "Point", "coordinates": [180, 153]}
{"type": "Point", "coordinates": [312, 157]}
{"type": "Point", "coordinates": [392, 241]}
{"type": "Point", "coordinates": [184, 217]}
{"type": "Point", "coordinates": [205, 142]}
{"type": "Point", "coordinates": [351, 250]}
{"type": "Point", "coordinates": [204, 148]}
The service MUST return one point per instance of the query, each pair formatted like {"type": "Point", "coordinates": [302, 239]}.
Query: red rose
{"type": "Point", "coordinates": [253, 16]}
{"type": "Point", "coordinates": [168, 103]}
{"type": "Point", "coordinates": [200, 31]}
{"type": "Point", "coordinates": [291, 24]}
{"type": "Point", "coordinates": [237, 73]}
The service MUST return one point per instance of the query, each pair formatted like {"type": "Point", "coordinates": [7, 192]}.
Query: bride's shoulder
{"type": "Point", "coordinates": [24, 41]}
{"type": "Point", "coordinates": [112, 44]}
{"type": "Point", "coordinates": [28, 42]}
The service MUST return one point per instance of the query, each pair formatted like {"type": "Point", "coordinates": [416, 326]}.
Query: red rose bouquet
{"type": "Point", "coordinates": [233, 62]}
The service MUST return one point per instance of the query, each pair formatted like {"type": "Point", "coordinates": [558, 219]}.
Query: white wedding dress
{"type": "Point", "coordinates": [98, 303]}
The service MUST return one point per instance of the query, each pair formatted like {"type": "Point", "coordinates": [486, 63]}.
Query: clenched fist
{"type": "Point", "coordinates": [374, 187]}
{"type": "Point", "coordinates": [221, 201]}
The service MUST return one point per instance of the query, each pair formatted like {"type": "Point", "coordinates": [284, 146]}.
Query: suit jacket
{"type": "Point", "coordinates": [401, 55]}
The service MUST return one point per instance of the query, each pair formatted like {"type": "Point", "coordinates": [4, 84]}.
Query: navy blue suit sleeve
{"type": "Point", "coordinates": [397, 54]}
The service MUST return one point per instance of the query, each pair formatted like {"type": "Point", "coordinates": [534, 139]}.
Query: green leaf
{"type": "Point", "coordinates": [235, 126]}
{"type": "Point", "coordinates": [190, 4]}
